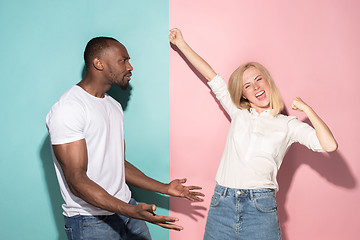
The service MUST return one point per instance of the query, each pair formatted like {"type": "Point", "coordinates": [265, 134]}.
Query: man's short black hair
{"type": "Point", "coordinates": [94, 48]}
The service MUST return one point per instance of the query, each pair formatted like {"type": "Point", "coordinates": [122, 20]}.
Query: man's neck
{"type": "Point", "coordinates": [94, 86]}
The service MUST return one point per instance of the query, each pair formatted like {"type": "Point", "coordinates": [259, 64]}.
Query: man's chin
{"type": "Point", "coordinates": [123, 86]}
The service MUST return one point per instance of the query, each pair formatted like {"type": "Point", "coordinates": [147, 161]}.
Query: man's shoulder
{"type": "Point", "coordinates": [72, 94]}
{"type": "Point", "coordinates": [71, 97]}
{"type": "Point", "coordinates": [69, 101]}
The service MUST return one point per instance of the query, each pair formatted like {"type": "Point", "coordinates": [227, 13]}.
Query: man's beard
{"type": "Point", "coordinates": [124, 86]}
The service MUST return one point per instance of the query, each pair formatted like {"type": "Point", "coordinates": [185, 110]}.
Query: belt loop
{"type": "Point", "coordinates": [251, 194]}
{"type": "Point", "coordinates": [224, 193]}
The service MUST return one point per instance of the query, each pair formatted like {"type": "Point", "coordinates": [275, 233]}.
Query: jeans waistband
{"type": "Point", "coordinates": [225, 191]}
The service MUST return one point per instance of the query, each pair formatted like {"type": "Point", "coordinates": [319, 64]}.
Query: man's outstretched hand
{"type": "Point", "coordinates": [145, 212]}
{"type": "Point", "coordinates": [177, 189]}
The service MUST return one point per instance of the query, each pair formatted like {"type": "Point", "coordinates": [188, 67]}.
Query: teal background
{"type": "Point", "coordinates": [42, 43]}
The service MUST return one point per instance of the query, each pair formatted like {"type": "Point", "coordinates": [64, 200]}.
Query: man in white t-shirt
{"type": "Point", "coordinates": [86, 133]}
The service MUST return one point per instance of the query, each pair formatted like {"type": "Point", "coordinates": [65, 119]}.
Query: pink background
{"type": "Point", "coordinates": [311, 48]}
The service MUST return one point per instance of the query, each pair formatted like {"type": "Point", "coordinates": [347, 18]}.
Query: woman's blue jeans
{"type": "Point", "coordinates": [107, 227]}
{"type": "Point", "coordinates": [242, 214]}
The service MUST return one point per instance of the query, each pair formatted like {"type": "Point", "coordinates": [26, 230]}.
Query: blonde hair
{"type": "Point", "coordinates": [235, 88]}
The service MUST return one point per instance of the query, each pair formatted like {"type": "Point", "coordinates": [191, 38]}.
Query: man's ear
{"type": "Point", "coordinates": [98, 64]}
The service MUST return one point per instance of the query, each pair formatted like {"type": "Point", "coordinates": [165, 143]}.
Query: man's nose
{"type": "Point", "coordinates": [129, 67]}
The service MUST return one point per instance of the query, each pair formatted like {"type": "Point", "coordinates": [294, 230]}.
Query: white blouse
{"type": "Point", "coordinates": [256, 143]}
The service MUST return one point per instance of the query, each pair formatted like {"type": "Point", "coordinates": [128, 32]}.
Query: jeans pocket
{"type": "Point", "coordinates": [266, 204]}
{"type": "Point", "coordinates": [69, 233]}
{"type": "Point", "coordinates": [93, 220]}
{"type": "Point", "coordinates": [215, 200]}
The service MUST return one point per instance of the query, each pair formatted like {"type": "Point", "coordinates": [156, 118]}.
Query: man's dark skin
{"type": "Point", "coordinates": [112, 67]}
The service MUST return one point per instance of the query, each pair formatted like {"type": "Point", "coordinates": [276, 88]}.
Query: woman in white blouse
{"type": "Point", "coordinates": [243, 205]}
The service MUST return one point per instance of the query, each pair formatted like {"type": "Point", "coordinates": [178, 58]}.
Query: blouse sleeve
{"type": "Point", "coordinates": [304, 134]}
{"type": "Point", "coordinates": [219, 87]}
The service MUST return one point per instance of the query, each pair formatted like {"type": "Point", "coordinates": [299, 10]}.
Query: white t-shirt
{"type": "Point", "coordinates": [256, 143]}
{"type": "Point", "coordinates": [80, 115]}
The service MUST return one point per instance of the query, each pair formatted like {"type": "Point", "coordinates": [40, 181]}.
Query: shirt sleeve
{"type": "Point", "coordinates": [219, 87]}
{"type": "Point", "coordinates": [65, 122]}
{"type": "Point", "coordinates": [304, 134]}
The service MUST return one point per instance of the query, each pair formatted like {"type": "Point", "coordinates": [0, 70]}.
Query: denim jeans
{"type": "Point", "coordinates": [107, 227]}
{"type": "Point", "coordinates": [242, 214]}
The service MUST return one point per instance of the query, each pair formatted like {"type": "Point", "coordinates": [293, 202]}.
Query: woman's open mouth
{"type": "Point", "coordinates": [261, 95]}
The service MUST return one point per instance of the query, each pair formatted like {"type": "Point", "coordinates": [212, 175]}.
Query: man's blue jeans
{"type": "Point", "coordinates": [242, 214]}
{"type": "Point", "coordinates": [107, 227]}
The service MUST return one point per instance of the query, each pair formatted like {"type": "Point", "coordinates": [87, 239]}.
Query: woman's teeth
{"type": "Point", "coordinates": [259, 94]}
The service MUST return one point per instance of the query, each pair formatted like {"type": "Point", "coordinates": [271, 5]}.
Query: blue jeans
{"type": "Point", "coordinates": [107, 227]}
{"type": "Point", "coordinates": [242, 214]}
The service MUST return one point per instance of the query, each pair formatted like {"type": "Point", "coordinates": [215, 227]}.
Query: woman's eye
{"type": "Point", "coordinates": [259, 79]}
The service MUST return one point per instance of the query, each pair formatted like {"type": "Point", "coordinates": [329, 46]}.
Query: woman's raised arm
{"type": "Point", "coordinates": [323, 133]}
{"type": "Point", "coordinates": [200, 64]}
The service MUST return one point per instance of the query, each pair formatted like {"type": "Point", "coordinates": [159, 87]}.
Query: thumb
{"type": "Point", "coordinates": [182, 180]}
{"type": "Point", "coordinates": [153, 207]}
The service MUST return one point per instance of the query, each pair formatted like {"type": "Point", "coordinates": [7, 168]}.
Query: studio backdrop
{"type": "Point", "coordinates": [174, 127]}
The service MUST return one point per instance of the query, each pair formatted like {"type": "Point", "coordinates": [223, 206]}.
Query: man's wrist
{"type": "Point", "coordinates": [165, 188]}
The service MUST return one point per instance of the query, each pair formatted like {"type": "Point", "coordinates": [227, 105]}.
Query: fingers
{"type": "Point", "coordinates": [190, 188]}
{"type": "Point", "coordinates": [146, 213]}
{"type": "Point", "coordinates": [165, 219]}
{"type": "Point", "coordinates": [147, 207]}
{"type": "Point", "coordinates": [175, 31]}
{"type": "Point", "coordinates": [195, 196]}
{"type": "Point", "coordinates": [175, 36]}
{"type": "Point", "coordinates": [194, 199]}
{"type": "Point", "coordinates": [172, 34]}
{"type": "Point", "coordinates": [144, 210]}
{"type": "Point", "coordinates": [167, 222]}
{"type": "Point", "coordinates": [298, 104]}
{"type": "Point", "coordinates": [170, 226]}
{"type": "Point", "coordinates": [198, 194]}
{"type": "Point", "coordinates": [193, 187]}
{"type": "Point", "coordinates": [292, 106]}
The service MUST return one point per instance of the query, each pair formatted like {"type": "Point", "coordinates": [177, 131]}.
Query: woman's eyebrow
{"type": "Point", "coordinates": [257, 76]}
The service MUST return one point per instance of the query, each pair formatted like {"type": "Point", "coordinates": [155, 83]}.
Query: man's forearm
{"type": "Point", "coordinates": [136, 178]}
{"type": "Point", "coordinates": [84, 188]}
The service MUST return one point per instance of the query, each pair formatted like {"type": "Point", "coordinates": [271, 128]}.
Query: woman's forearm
{"type": "Point", "coordinates": [323, 133]}
{"type": "Point", "coordinates": [199, 63]}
